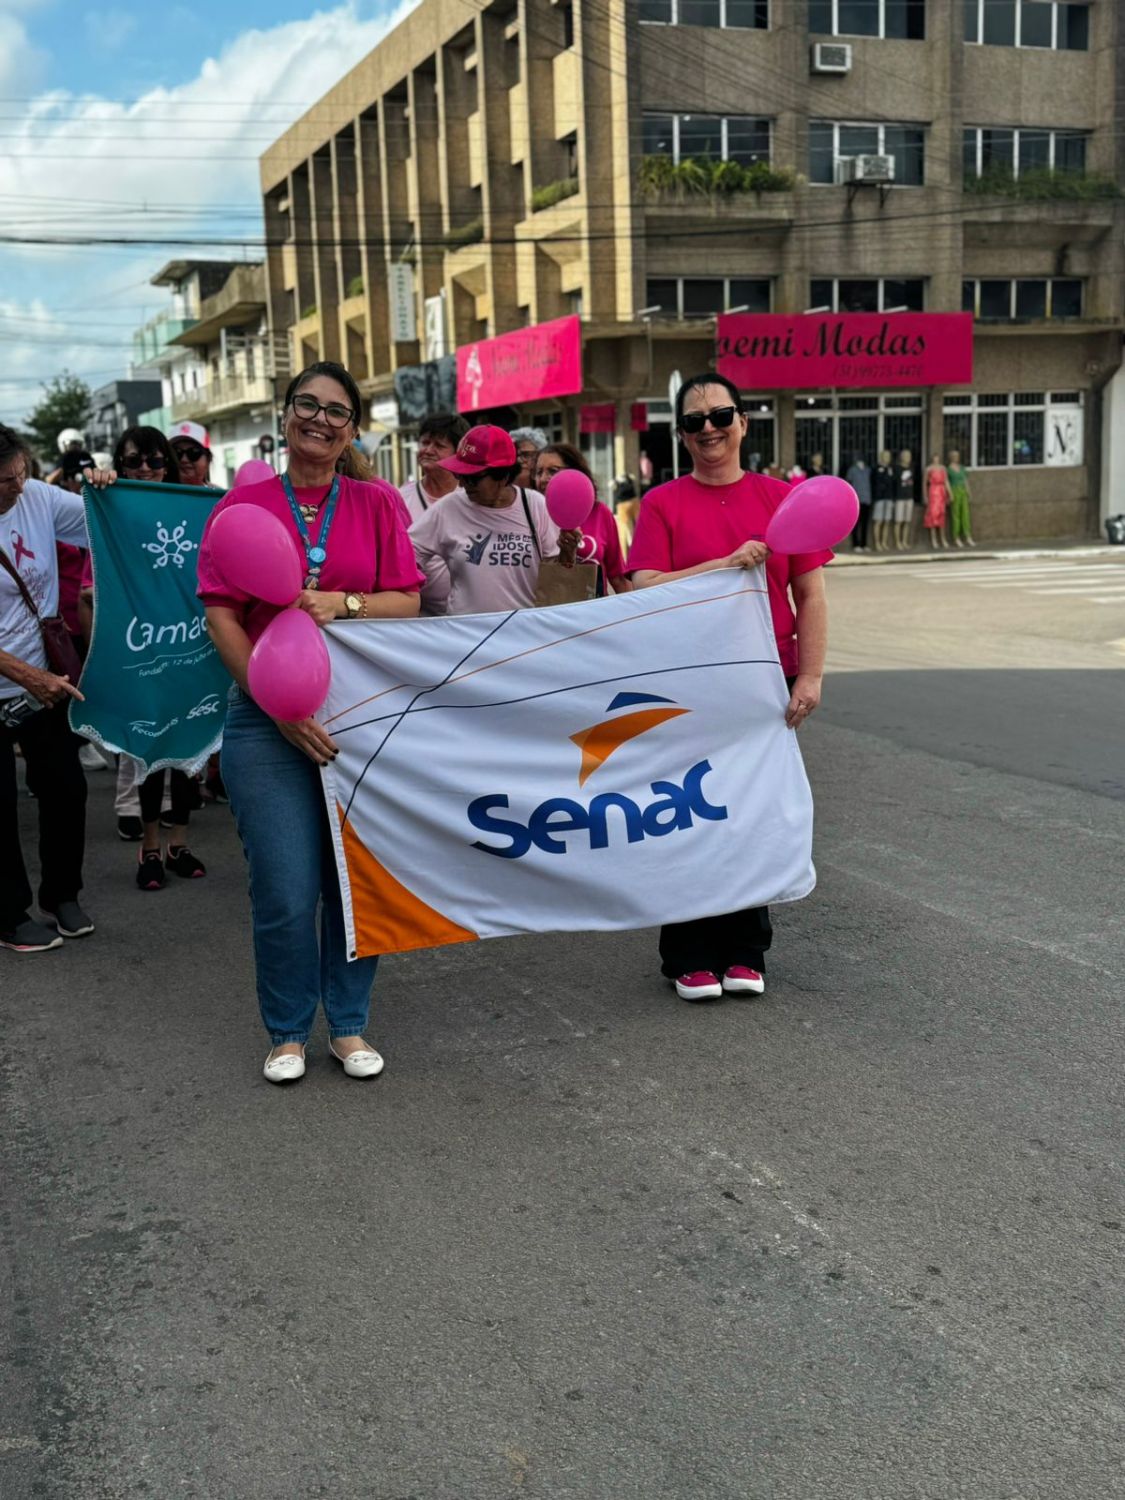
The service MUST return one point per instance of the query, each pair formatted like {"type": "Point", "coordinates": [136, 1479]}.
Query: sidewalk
{"type": "Point", "coordinates": [980, 553]}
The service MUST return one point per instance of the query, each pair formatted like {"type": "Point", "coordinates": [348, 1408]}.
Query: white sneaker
{"type": "Point", "coordinates": [363, 1063]}
{"type": "Point", "coordinates": [285, 1067]}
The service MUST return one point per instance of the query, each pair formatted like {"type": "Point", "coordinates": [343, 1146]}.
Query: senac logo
{"type": "Point", "coordinates": [674, 807]}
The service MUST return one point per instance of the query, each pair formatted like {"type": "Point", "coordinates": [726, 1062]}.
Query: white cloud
{"type": "Point", "coordinates": [22, 65]}
{"type": "Point", "coordinates": [92, 164]}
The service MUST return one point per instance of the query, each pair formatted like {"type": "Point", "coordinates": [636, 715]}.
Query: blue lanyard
{"type": "Point", "coordinates": [315, 552]}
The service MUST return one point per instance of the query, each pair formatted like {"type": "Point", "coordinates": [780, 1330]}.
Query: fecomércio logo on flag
{"type": "Point", "coordinates": [610, 764]}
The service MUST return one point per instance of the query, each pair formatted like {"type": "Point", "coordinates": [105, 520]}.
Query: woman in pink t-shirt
{"type": "Point", "coordinates": [360, 564]}
{"type": "Point", "coordinates": [716, 517]}
{"type": "Point", "coordinates": [599, 524]}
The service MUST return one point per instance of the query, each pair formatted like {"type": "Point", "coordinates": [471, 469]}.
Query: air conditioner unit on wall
{"type": "Point", "coordinates": [830, 57]}
{"type": "Point", "coordinates": [860, 169]}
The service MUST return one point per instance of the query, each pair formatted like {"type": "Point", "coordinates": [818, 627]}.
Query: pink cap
{"type": "Point", "coordinates": [191, 430]}
{"type": "Point", "coordinates": [482, 448]}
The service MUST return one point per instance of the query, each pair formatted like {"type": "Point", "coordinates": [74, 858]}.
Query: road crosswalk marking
{"type": "Point", "coordinates": [1089, 582]}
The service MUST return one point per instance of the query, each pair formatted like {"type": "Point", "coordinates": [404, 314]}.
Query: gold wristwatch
{"type": "Point", "coordinates": [353, 603]}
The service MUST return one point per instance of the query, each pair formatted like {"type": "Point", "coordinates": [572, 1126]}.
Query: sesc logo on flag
{"type": "Point", "coordinates": [611, 764]}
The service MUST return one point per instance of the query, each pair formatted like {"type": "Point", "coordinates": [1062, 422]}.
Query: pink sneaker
{"type": "Point", "coordinates": [702, 985]}
{"type": "Point", "coordinates": [739, 980]}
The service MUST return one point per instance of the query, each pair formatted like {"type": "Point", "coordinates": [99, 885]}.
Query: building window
{"type": "Point", "coordinates": [704, 296]}
{"type": "Point", "coordinates": [883, 18]}
{"type": "Point", "coordinates": [1025, 297]}
{"type": "Point", "coordinates": [870, 294]}
{"type": "Point", "coordinates": [741, 138]}
{"type": "Point", "coordinates": [744, 14]}
{"type": "Point", "coordinates": [1060, 25]}
{"type": "Point", "coordinates": [1026, 428]}
{"type": "Point", "coordinates": [843, 428]}
{"type": "Point", "coordinates": [989, 148]}
{"type": "Point", "coordinates": [829, 140]}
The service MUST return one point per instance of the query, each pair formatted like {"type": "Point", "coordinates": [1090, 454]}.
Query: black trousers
{"type": "Point", "coordinates": [181, 792]}
{"type": "Point", "coordinates": [859, 535]}
{"type": "Point", "coordinates": [55, 776]}
{"type": "Point", "coordinates": [713, 944]}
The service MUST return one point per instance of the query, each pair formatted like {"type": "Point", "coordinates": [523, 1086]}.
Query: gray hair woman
{"type": "Point", "coordinates": [529, 441]}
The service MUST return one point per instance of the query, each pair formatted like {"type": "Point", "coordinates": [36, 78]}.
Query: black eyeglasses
{"type": "Point", "coordinates": [718, 416]}
{"type": "Point", "coordinates": [335, 415]}
{"type": "Point", "coordinates": [189, 453]}
{"type": "Point", "coordinates": [138, 460]}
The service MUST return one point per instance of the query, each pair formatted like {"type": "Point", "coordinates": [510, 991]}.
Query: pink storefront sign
{"type": "Point", "coordinates": [599, 418]}
{"type": "Point", "coordinates": [525, 365]}
{"type": "Point", "coordinates": [812, 351]}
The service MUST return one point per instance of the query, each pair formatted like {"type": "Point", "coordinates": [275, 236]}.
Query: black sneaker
{"type": "Point", "coordinates": [70, 919]}
{"type": "Point", "coordinates": [130, 829]}
{"type": "Point", "coordinates": [181, 861]}
{"type": "Point", "coordinates": [29, 937]}
{"type": "Point", "coordinates": [150, 870]}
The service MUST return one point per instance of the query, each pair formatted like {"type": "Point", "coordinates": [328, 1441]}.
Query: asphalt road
{"type": "Point", "coordinates": [861, 1239]}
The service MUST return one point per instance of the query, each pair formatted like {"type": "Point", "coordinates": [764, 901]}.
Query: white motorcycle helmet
{"type": "Point", "coordinates": [70, 437]}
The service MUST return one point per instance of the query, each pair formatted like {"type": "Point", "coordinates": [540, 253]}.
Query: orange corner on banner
{"type": "Point", "coordinates": [600, 741]}
{"type": "Point", "coordinates": [387, 917]}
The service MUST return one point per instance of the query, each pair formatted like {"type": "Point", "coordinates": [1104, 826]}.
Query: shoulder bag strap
{"type": "Point", "coordinates": [531, 525]}
{"type": "Point", "coordinates": [9, 567]}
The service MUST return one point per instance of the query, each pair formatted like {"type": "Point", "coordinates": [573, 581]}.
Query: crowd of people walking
{"type": "Point", "coordinates": [470, 533]}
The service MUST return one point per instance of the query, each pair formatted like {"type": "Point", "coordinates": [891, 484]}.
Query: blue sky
{"type": "Point", "coordinates": [129, 119]}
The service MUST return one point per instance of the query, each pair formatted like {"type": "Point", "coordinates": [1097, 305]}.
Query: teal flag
{"type": "Point", "coordinates": [154, 686]}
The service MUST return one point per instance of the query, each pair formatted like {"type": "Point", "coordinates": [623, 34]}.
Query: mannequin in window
{"type": "Point", "coordinates": [883, 502]}
{"type": "Point", "coordinates": [904, 499]}
{"type": "Point", "coordinates": [960, 528]}
{"type": "Point", "coordinates": [937, 502]}
{"type": "Point", "coordinates": [859, 477]}
{"type": "Point", "coordinates": [816, 465]}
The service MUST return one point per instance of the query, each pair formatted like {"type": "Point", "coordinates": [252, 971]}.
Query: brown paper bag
{"type": "Point", "coordinates": [559, 585]}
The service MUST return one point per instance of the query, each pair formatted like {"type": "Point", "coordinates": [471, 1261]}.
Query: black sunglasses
{"type": "Point", "coordinates": [189, 453]}
{"type": "Point", "coordinates": [718, 416]}
{"type": "Point", "coordinates": [136, 460]}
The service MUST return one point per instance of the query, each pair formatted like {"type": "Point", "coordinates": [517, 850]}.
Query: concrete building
{"type": "Point", "coordinates": [116, 406]}
{"type": "Point", "coordinates": [538, 207]}
{"type": "Point", "coordinates": [212, 351]}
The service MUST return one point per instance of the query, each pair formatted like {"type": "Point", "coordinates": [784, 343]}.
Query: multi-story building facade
{"type": "Point", "coordinates": [114, 407]}
{"type": "Point", "coordinates": [212, 351]}
{"type": "Point", "coordinates": [623, 171]}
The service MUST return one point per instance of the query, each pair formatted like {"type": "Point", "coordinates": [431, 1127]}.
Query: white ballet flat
{"type": "Point", "coordinates": [366, 1063]}
{"type": "Point", "coordinates": [286, 1068]}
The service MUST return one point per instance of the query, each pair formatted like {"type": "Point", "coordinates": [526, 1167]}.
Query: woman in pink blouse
{"type": "Point", "coordinates": [716, 517]}
{"type": "Point", "coordinates": [360, 564]}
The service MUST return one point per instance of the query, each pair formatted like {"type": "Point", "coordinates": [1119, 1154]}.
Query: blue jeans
{"type": "Point", "coordinates": [278, 805]}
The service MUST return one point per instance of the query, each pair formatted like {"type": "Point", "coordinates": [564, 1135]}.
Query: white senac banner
{"type": "Point", "coordinates": [611, 764]}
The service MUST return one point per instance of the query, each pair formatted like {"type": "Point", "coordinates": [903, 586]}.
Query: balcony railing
{"type": "Point", "coordinates": [218, 396]}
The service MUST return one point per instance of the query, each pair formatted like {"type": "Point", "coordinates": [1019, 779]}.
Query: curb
{"type": "Point", "coordinates": [976, 554]}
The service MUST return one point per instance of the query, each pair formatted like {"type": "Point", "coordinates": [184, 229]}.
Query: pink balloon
{"type": "Point", "coordinates": [816, 513]}
{"type": "Point", "coordinates": [289, 671]}
{"type": "Point", "coordinates": [255, 552]}
{"type": "Point", "coordinates": [570, 498]}
{"type": "Point", "coordinates": [253, 471]}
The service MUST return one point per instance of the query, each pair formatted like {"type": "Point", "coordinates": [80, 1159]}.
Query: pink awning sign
{"type": "Point", "coordinates": [525, 365]}
{"type": "Point", "coordinates": [812, 351]}
{"type": "Point", "coordinates": [599, 418]}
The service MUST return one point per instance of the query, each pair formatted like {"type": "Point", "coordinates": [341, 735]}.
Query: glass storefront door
{"type": "Point", "coordinates": [839, 427]}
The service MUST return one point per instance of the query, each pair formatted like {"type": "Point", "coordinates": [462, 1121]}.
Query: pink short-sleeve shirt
{"type": "Point", "coordinates": [684, 523]}
{"type": "Point", "coordinates": [368, 548]}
